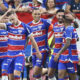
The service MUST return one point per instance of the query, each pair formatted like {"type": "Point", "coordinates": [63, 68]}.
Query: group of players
{"type": "Point", "coordinates": [14, 35]}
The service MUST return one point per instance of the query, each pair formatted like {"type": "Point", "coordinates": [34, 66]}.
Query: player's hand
{"type": "Point", "coordinates": [56, 57]}
{"type": "Point", "coordinates": [39, 55]}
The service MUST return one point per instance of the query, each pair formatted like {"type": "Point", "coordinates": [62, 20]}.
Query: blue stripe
{"type": "Point", "coordinates": [3, 54]}
{"type": "Point", "coordinates": [56, 50]}
{"type": "Point", "coordinates": [73, 58]}
{"type": "Point", "coordinates": [3, 44]}
{"type": "Point", "coordinates": [41, 38]}
{"type": "Point", "coordinates": [17, 42]}
{"type": "Point", "coordinates": [15, 52]}
{"type": "Point", "coordinates": [41, 48]}
{"type": "Point", "coordinates": [58, 40]}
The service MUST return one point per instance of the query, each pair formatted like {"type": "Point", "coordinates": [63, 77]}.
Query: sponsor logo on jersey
{"type": "Point", "coordinates": [58, 35]}
{"type": "Point", "coordinates": [15, 37]}
{"type": "Point", "coordinates": [37, 33]}
{"type": "Point", "coordinates": [4, 38]}
{"type": "Point", "coordinates": [20, 31]}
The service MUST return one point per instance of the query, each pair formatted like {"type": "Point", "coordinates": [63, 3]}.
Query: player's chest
{"type": "Point", "coordinates": [16, 31]}
{"type": "Point", "coordinates": [58, 29]}
{"type": "Point", "coordinates": [3, 32]}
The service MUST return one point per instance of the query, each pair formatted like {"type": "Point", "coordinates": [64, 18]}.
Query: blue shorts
{"type": "Point", "coordinates": [2, 61]}
{"type": "Point", "coordinates": [17, 63]}
{"type": "Point", "coordinates": [70, 67]}
{"type": "Point", "coordinates": [40, 62]}
{"type": "Point", "coordinates": [52, 63]}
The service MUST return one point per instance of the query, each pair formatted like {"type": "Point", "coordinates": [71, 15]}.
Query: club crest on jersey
{"type": "Point", "coordinates": [40, 27]}
{"type": "Point", "coordinates": [20, 31]}
{"type": "Point", "coordinates": [61, 29]}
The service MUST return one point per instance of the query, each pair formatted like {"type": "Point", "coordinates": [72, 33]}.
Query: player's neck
{"type": "Point", "coordinates": [36, 22]}
{"type": "Point", "coordinates": [18, 23]}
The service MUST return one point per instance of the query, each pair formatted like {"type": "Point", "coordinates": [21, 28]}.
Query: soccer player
{"type": "Point", "coordinates": [3, 44]}
{"type": "Point", "coordinates": [58, 28]}
{"type": "Point", "coordinates": [18, 32]}
{"type": "Point", "coordinates": [40, 29]}
{"type": "Point", "coordinates": [68, 54]}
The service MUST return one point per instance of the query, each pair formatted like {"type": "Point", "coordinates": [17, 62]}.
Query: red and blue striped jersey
{"type": "Point", "coordinates": [71, 53]}
{"type": "Point", "coordinates": [3, 43]}
{"type": "Point", "coordinates": [40, 33]}
{"type": "Point", "coordinates": [17, 36]}
{"type": "Point", "coordinates": [58, 33]}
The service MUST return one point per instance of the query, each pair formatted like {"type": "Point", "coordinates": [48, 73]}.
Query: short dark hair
{"type": "Point", "coordinates": [10, 13]}
{"type": "Point", "coordinates": [1, 13]}
{"type": "Point", "coordinates": [60, 10]}
{"type": "Point", "coordinates": [47, 2]}
{"type": "Point", "coordinates": [36, 8]}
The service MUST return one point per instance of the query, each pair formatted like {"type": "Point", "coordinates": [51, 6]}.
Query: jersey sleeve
{"type": "Point", "coordinates": [7, 25]}
{"type": "Point", "coordinates": [28, 30]}
{"type": "Point", "coordinates": [46, 22]}
{"type": "Point", "coordinates": [68, 33]}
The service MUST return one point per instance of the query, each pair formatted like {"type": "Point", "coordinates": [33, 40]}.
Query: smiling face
{"type": "Point", "coordinates": [50, 3]}
{"type": "Point", "coordinates": [13, 19]}
{"type": "Point", "coordinates": [60, 17]}
{"type": "Point", "coordinates": [36, 15]}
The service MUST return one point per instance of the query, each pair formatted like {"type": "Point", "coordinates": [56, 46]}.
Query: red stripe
{"type": "Point", "coordinates": [41, 43]}
{"type": "Point", "coordinates": [73, 41]}
{"type": "Point", "coordinates": [59, 3]}
{"type": "Point", "coordinates": [63, 61]}
{"type": "Point", "coordinates": [11, 47]}
{"type": "Point", "coordinates": [78, 15]}
{"type": "Point", "coordinates": [39, 33]}
{"type": "Point", "coordinates": [13, 35]}
{"type": "Point", "coordinates": [14, 56]}
{"type": "Point", "coordinates": [67, 61]}
{"type": "Point", "coordinates": [58, 45]}
{"type": "Point", "coordinates": [3, 49]}
{"type": "Point", "coordinates": [74, 52]}
{"type": "Point", "coordinates": [66, 52]}
{"type": "Point", "coordinates": [3, 56]}
{"type": "Point", "coordinates": [50, 35]}
{"type": "Point", "coordinates": [4, 74]}
{"type": "Point", "coordinates": [75, 67]}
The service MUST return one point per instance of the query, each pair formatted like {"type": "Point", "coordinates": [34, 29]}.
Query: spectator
{"type": "Point", "coordinates": [5, 4]}
{"type": "Point", "coordinates": [31, 5]}
{"type": "Point", "coordinates": [73, 6]}
{"type": "Point", "coordinates": [23, 1]}
{"type": "Point", "coordinates": [50, 8]}
{"type": "Point", "coordinates": [60, 3]}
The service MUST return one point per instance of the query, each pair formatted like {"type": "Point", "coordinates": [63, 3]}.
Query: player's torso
{"type": "Point", "coordinates": [17, 38]}
{"type": "Point", "coordinates": [3, 42]}
{"type": "Point", "coordinates": [58, 33]}
{"type": "Point", "coordinates": [72, 49]}
{"type": "Point", "coordinates": [40, 34]}
{"type": "Point", "coordinates": [70, 54]}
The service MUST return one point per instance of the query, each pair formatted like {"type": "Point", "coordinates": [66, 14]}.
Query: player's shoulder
{"type": "Point", "coordinates": [70, 28]}
{"type": "Point", "coordinates": [29, 23]}
{"type": "Point", "coordinates": [45, 20]}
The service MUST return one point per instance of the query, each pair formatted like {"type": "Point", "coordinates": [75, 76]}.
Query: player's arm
{"type": "Point", "coordinates": [66, 45]}
{"type": "Point", "coordinates": [27, 41]}
{"type": "Point", "coordinates": [34, 44]}
{"type": "Point", "coordinates": [2, 26]}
